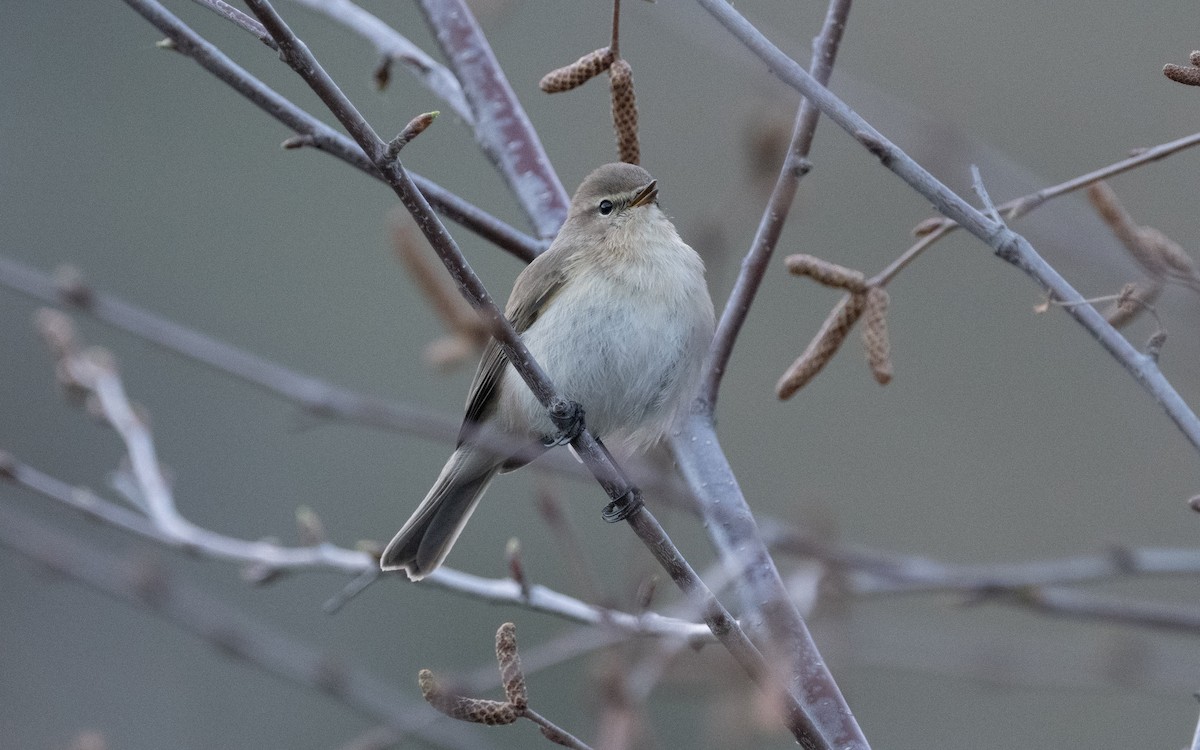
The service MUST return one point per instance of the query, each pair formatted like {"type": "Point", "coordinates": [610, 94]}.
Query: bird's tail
{"type": "Point", "coordinates": [426, 538]}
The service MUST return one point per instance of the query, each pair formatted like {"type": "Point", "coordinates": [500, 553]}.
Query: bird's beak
{"type": "Point", "coordinates": [646, 195]}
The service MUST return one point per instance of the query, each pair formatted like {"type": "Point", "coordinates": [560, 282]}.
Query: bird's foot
{"type": "Point", "coordinates": [567, 416]}
{"type": "Point", "coordinates": [623, 507]}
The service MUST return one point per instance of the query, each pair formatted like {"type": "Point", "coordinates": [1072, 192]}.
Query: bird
{"type": "Point", "coordinates": [617, 313]}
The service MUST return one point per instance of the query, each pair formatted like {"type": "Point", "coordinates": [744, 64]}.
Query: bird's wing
{"type": "Point", "coordinates": [481, 400]}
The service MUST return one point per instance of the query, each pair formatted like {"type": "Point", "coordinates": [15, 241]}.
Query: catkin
{"type": "Point", "coordinates": [624, 111]}
{"type": "Point", "coordinates": [510, 666]}
{"type": "Point", "coordinates": [875, 335]}
{"type": "Point", "coordinates": [577, 73]}
{"type": "Point", "coordinates": [475, 710]}
{"type": "Point", "coordinates": [829, 274]}
{"type": "Point", "coordinates": [823, 346]}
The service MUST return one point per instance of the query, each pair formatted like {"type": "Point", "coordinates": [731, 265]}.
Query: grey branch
{"type": "Point", "coordinates": [1008, 245]}
{"type": "Point", "coordinates": [394, 46]}
{"type": "Point", "coordinates": [148, 585]}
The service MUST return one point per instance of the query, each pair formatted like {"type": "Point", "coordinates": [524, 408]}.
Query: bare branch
{"type": "Point", "coordinates": [795, 165]}
{"type": "Point", "coordinates": [145, 584]}
{"type": "Point", "coordinates": [502, 128]}
{"type": "Point", "coordinates": [393, 46]}
{"type": "Point", "coordinates": [273, 556]}
{"type": "Point", "coordinates": [322, 136]}
{"type": "Point", "coordinates": [728, 519]}
{"type": "Point", "coordinates": [1008, 245]}
{"type": "Point", "coordinates": [595, 456]}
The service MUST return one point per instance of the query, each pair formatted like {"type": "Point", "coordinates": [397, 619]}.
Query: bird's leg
{"type": "Point", "coordinates": [625, 505]}
{"type": "Point", "coordinates": [567, 416]}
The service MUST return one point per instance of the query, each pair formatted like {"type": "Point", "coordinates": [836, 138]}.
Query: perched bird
{"type": "Point", "coordinates": [617, 313]}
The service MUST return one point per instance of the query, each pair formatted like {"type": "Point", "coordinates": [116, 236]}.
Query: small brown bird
{"type": "Point", "coordinates": [617, 313]}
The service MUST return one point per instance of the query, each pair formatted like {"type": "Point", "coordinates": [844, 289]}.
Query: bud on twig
{"type": "Point", "coordinates": [309, 526]}
{"type": "Point", "coordinates": [1134, 298]}
{"type": "Point", "coordinates": [415, 127]}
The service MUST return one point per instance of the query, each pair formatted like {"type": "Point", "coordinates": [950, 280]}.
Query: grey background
{"type": "Point", "coordinates": [1005, 436]}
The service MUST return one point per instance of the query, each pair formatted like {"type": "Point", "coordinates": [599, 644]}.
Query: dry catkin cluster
{"type": "Point", "coordinates": [864, 298]}
{"type": "Point", "coordinates": [624, 103]}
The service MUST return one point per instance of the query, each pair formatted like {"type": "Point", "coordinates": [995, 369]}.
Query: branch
{"type": "Point", "coordinates": [728, 520]}
{"type": "Point", "coordinates": [795, 165]}
{"type": "Point", "coordinates": [1008, 245]}
{"type": "Point", "coordinates": [867, 572]}
{"type": "Point", "coordinates": [502, 128]}
{"type": "Point", "coordinates": [724, 627]}
{"type": "Point", "coordinates": [320, 136]}
{"type": "Point", "coordinates": [1076, 605]}
{"type": "Point", "coordinates": [147, 585]}
{"type": "Point", "coordinates": [393, 46]}
{"type": "Point", "coordinates": [275, 558]}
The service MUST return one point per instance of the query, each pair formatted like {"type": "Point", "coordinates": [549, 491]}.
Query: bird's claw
{"type": "Point", "coordinates": [567, 416]}
{"type": "Point", "coordinates": [623, 507]}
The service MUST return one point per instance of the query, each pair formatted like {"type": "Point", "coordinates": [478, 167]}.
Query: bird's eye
{"type": "Point", "coordinates": [606, 207]}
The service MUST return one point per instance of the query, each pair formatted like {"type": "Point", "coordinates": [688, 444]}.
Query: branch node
{"type": "Point", "coordinates": [415, 127]}
{"type": "Point", "coordinates": [623, 507]}
{"type": "Point", "coordinates": [298, 141]}
{"type": "Point", "coordinates": [516, 567]}
{"type": "Point", "coordinates": [875, 145]}
{"type": "Point", "coordinates": [1155, 344]}
{"type": "Point", "coordinates": [72, 289]}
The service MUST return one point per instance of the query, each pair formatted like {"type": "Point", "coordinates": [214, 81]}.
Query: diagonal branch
{"type": "Point", "coordinates": [394, 46]}
{"type": "Point", "coordinates": [728, 520]}
{"type": "Point", "coordinates": [1008, 245]}
{"type": "Point", "coordinates": [320, 136]}
{"type": "Point", "coordinates": [795, 165]}
{"type": "Point", "coordinates": [502, 128]}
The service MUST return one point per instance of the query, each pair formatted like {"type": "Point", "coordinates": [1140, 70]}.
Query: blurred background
{"type": "Point", "coordinates": [1005, 436]}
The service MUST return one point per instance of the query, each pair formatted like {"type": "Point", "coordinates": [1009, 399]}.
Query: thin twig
{"type": "Point", "coordinates": [393, 46]}
{"type": "Point", "coordinates": [502, 128]}
{"type": "Point", "coordinates": [795, 165]}
{"type": "Point", "coordinates": [322, 136]}
{"type": "Point", "coordinates": [728, 520]}
{"type": "Point", "coordinates": [868, 572]}
{"type": "Point", "coordinates": [272, 556]}
{"type": "Point", "coordinates": [144, 584]}
{"type": "Point", "coordinates": [1008, 245]}
{"type": "Point", "coordinates": [316, 396]}
{"type": "Point", "coordinates": [1078, 605]}
{"type": "Point", "coordinates": [240, 19]}
{"type": "Point", "coordinates": [727, 630]}
{"type": "Point", "coordinates": [937, 228]}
